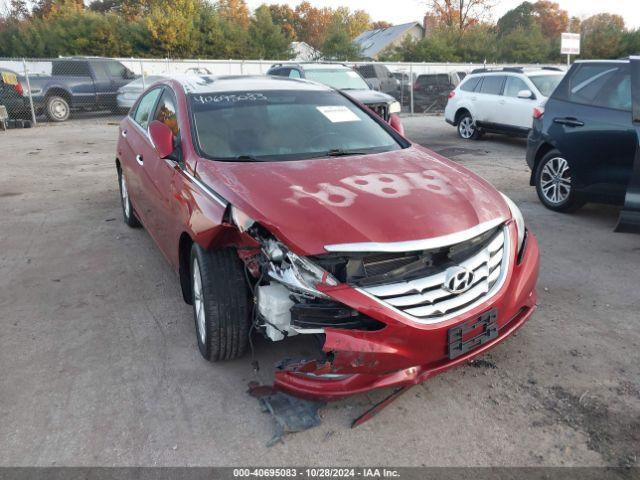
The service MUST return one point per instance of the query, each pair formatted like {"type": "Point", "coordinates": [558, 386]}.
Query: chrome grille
{"type": "Point", "coordinates": [427, 301]}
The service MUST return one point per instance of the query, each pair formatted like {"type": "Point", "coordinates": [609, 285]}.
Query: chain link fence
{"type": "Point", "coordinates": [38, 91]}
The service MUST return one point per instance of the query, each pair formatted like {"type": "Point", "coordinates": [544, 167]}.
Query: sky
{"type": "Point", "coordinates": [404, 11]}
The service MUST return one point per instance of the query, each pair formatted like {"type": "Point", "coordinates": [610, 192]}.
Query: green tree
{"type": "Point", "coordinates": [172, 26]}
{"type": "Point", "coordinates": [339, 45]}
{"type": "Point", "coordinates": [267, 39]}
{"type": "Point", "coordinates": [631, 42]}
{"type": "Point", "coordinates": [285, 17]}
{"type": "Point", "coordinates": [18, 10]}
{"type": "Point", "coordinates": [526, 45]}
{"type": "Point", "coordinates": [520, 17]}
{"type": "Point", "coordinates": [235, 12]}
{"type": "Point", "coordinates": [602, 36]}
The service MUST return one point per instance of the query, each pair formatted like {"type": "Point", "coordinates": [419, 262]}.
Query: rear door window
{"type": "Point", "coordinates": [604, 85]}
{"type": "Point", "coordinates": [115, 69]}
{"type": "Point", "coordinates": [492, 84]}
{"type": "Point", "coordinates": [294, 73]}
{"type": "Point", "coordinates": [367, 71]}
{"type": "Point", "coordinates": [616, 93]}
{"type": "Point", "coordinates": [72, 69]}
{"type": "Point", "coordinates": [471, 84]}
{"type": "Point", "coordinates": [514, 85]}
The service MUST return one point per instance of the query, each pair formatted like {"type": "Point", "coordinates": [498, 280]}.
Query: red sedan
{"type": "Point", "coordinates": [289, 209]}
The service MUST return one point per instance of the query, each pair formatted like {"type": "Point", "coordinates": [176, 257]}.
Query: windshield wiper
{"type": "Point", "coordinates": [247, 158]}
{"type": "Point", "coordinates": [341, 152]}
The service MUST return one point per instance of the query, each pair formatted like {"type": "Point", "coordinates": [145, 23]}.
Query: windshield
{"type": "Point", "coordinates": [284, 125]}
{"type": "Point", "coordinates": [546, 84]}
{"type": "Point", "coordinates": [340, 79]}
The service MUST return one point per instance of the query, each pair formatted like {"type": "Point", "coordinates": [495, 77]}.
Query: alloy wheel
{"type": "Point", "coordinates": [198, 302]}
{"type": "Point", "coordinates": [466, 127]}
{"type": "Point", "coordinates": [125, 196]}
{"type": "Point", "coordinates": [555, 181]}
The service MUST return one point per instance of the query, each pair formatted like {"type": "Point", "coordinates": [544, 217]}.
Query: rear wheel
{"type": "Point", "coordinates": [467, 129]}
{"type": "Point", "coordinates": [58, 109]}
{"type": "Point", "coordinates": [221, 307]}
{"type": "Point", "coordinates": [554, 184]}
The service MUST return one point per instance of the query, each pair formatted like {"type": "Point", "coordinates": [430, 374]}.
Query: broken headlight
{"type": "Point", "coordinates": [297, 273]}
{"type": "Point", "coordinates": [519, 219]}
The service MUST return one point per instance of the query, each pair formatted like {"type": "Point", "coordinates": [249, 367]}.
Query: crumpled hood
{"type": "Point", "coordinates": [408, 194]}
{"type": "Point", "coordinates": [370, 96]}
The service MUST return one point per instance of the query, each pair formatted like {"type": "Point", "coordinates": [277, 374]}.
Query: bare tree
{"type": "Point", "coordinates": [460, 13]}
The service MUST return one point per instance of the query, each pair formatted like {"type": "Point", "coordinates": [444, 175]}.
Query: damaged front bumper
{"type": "Point", "coordinates": [407, 352]}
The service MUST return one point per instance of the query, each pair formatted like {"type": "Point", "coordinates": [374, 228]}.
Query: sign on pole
{"type": "Point", "coordinates": [570, 44]}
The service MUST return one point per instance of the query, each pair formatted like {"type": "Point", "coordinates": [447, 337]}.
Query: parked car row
{"type": "Point", "coordinates": [582, 141]}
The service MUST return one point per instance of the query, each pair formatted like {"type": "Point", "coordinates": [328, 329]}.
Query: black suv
{"type": "Point", "coordinates": [584, 141]}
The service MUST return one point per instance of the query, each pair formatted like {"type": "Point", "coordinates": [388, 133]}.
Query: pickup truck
{"type": "Point", "coordinates": [78, 84]}
{"type": "Point", "coordinates": [380, 78]}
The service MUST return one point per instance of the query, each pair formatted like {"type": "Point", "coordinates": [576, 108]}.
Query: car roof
{"type": "Point", "coordinates": [618, 60]}
{"type": "Point", "coordinates": [313, 66]}
{"type": "Point", "coordinates": [233, 83]}
{"type": "Point", "coordinates": [527, 72]}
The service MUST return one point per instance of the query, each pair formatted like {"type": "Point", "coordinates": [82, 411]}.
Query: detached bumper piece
{"type": "Point", "coordinates": [291, 414]}
{"type": "Point", "coordinates": [322, 314]}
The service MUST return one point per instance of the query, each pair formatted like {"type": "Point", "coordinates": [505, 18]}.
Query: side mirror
{"type": "Point", "coordinates": [162, 138]}
{"type": "Point", "coordinates": [527, 94]}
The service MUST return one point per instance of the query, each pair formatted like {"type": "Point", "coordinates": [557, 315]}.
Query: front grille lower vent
{"type": "Point", "coordinates": [427, 300]}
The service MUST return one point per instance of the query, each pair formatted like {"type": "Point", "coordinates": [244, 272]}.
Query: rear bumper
{"type": "Point", "coordinates": [405, 353]}
{"type": "Point", "coordinates": [16, 106]}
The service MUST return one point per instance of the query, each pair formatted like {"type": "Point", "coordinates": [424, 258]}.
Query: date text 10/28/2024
{"type": "Point", "coordinates": [315, 473]}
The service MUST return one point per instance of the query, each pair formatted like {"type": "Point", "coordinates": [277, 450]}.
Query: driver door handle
{"type": "Point", "coordinates": [569, 122]}
{"type": "Point", "coordinates": [139, 159]}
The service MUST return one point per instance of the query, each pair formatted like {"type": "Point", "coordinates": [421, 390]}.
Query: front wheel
{"type": "Point", "coordinates": [554, 183]}
{"type": "Point", "coordinates": [467, 129]}
{"type": "Point", "coordinates": [221, 307]}
{"type": "Point", "coordinates": [128, 214]}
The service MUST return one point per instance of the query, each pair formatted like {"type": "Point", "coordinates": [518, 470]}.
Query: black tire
{"type": "Point", "coordinates": [58, 109]}
{"type": "Point", "coordinates": [224, 302]}
{"type": "Point", "coordinates": [467, 129]}
{"type": "Point", "coordinates": [556, 192]}
{"type": "Point", "coordinates": [128, 214]}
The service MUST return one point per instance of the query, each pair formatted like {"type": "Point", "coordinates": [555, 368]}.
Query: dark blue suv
{"type": "Point", "coordinates": [584, 142]}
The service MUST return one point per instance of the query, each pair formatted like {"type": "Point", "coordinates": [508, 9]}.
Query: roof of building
{"type": "Point", "coordinates": [374, 41]}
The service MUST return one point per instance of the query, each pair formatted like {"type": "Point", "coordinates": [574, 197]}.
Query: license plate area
{"type": "Point", "coordinates": [472, 333]}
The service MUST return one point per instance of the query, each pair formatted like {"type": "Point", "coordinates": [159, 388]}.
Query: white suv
{"type": "Point", "coordinates": [500, 101]}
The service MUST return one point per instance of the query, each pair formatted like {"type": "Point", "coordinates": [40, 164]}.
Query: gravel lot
{"type": "Point", "coordinates": [99, 363]}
